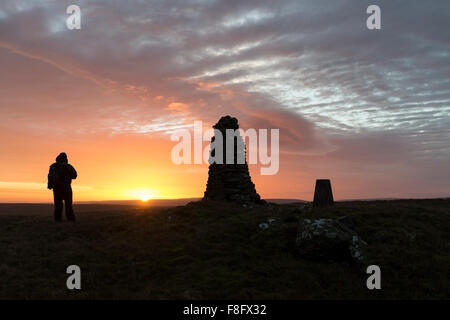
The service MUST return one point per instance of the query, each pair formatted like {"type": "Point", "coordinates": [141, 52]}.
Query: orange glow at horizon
{"type": "Point", "coordinates": [114, 167]}
{"type": "Point", "coordinates": [118, 167]}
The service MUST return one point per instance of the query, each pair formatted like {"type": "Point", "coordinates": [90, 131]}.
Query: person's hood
{"type": "Point", "coordinates": [62, 158]}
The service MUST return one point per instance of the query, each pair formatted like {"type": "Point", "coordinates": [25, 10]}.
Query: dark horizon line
{"type": "Point", "coordinates": [284, 200]}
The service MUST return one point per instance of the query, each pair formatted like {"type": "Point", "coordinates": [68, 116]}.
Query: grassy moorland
{"type": "Point", "coordinates": [217, 252]}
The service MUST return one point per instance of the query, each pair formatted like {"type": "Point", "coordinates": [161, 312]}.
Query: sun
{"type": "Point", "coordinates": [145, 198]}
{"type": "Point", "coordinates": [142, 194]}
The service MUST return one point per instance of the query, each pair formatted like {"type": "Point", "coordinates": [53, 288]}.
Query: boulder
{"type": "Point", "coordinates": [329, 239]}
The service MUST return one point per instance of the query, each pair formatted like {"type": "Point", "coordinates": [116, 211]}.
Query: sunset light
{"type": "Point", "coordinates": [145, 198]}
{"type": "Point", "coordinates": [369, 124]}
{"type": "Point", "coordinates": [186, 152]}
{"type": "Point", "coordinates": [143, 195]}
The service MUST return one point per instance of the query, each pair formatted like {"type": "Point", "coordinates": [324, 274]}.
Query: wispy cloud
{"type": "Point", "coordinates": [334, 88]}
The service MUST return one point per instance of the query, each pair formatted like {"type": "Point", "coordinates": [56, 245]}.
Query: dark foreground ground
{"type": "Point", "coordinates": [218, 252]}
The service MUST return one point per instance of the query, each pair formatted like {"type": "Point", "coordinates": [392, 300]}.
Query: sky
{"type": "Point", "coordinates": [368, 109]}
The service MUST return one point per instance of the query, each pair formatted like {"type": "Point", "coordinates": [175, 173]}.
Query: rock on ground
{"type": "Point", "coordinates": [329, 239]}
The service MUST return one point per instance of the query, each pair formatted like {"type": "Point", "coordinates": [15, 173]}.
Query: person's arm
{"type": "Point", "coordinates": [49, 179]}
{"type": "Point", "coordinates": [73, 172]}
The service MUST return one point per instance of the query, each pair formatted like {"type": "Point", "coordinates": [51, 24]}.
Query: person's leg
{"type": "Point", "coordinates": [68, 203]}
{"type": "Point", "coordinates": [58, 200]}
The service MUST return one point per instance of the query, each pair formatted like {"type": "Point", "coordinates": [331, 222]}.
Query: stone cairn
{"type": "Point", "coordinates": [230, 182]}
{"type": "Point", "coordinates": [323, 195]}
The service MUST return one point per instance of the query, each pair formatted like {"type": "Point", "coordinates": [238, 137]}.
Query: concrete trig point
{"type": "Point", "coordinates": [323, 195]}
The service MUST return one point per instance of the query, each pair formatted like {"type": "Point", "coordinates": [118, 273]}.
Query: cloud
{"type": "Point", "coordinates": [313, 70]}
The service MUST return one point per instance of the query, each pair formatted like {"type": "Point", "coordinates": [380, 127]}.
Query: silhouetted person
{"type": "Point", "coordinates": [60, 178]}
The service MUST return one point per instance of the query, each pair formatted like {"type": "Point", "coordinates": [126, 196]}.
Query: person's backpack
{"type": "Point", "coordinates": [59, 174]}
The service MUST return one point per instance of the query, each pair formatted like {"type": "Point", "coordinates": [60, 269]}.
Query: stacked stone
{"type": "Point", "coordinates": [230, 182]}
